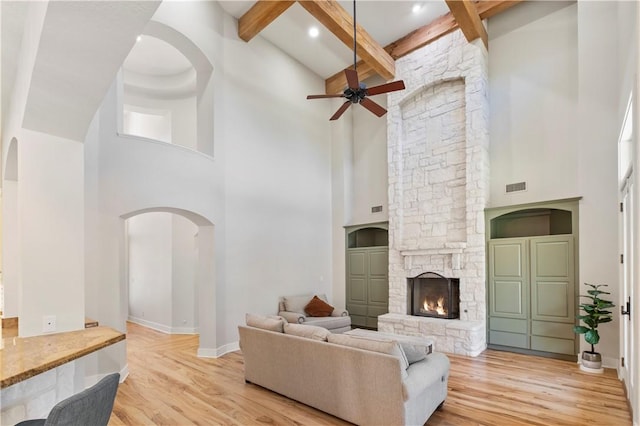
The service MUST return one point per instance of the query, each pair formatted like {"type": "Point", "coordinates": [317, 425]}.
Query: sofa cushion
{"type": "Point", "coordinates": [318, 308]}
{"type": "Point", "coordinates": [414, 353]}
{"type": "Point", "coordinates": [271, 323]}
{"type": "Point", "coordinates": [307, 331]}
{"type": "Point", "coordinates": [328, 322]}
{"type": "Point", "coordinates": [385, 346]}
{"type": "Point", "coordinates": [296, 303]}
{"type": "Point", "coordinates": [416, 348]}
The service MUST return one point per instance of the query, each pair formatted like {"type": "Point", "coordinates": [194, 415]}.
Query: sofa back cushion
{"type": "Point", "coordinates": [385, 346]}
{"type": "Point", "coordinates": [271, 322]}
{"type": "Point", "coordinates": [296, 303]}
{"type": "Point", "coordinates": [307, 331]}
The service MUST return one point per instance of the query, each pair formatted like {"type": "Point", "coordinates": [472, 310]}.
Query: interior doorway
{"type": "Point", "coordinates": [627, 207]}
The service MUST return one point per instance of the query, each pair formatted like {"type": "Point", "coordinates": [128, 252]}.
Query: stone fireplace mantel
{"type": "Point", "coordinates": [453, 249]}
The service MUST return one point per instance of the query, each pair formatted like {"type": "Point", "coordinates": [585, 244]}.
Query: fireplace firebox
{"type": "Point", "coordinates": [433, 295]}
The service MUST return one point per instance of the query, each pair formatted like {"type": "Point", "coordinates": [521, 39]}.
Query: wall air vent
{"type": "Point", "coordinates": [376, 209]}
{"type": "Point", "coordinates": [515, 187]}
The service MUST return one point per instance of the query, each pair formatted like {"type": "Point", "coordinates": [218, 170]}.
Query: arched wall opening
{"type": "Point", "coordinates": [153, 238]}
{"type": "Point", "coordinates": [165, 78]}
{"type": "Point", "coordinates": [9, 272]}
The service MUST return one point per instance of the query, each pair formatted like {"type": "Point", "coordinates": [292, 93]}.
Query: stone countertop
{"type": "Point", "coordinates": [25, 357]}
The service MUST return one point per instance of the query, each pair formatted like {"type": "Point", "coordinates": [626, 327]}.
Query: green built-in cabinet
{"type": "Point", "coordinates": [367, 280]}
{"type": "Point", "coordinates": [531, 279]}
{"type": "Point", "coordinates": [532, 293]}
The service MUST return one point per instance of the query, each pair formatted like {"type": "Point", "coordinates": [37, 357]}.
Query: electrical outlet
{"type": "Point", "coordinates": [48, 323]}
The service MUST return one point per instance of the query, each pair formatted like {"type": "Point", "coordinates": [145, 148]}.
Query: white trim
{"type": "Point", "coordinates": [217, 353]}
{"type": "Point", "coordinates": [150, 324]}
{"type": "Point", "coordinates": [184, 330]}
{"type": "Point", "coordinates": [163, 328]}
{"type": "Point", "coordinates": [124, 373]}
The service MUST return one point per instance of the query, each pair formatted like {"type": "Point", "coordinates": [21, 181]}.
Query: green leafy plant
{"type": "Point", "coordinates": [596, 313]}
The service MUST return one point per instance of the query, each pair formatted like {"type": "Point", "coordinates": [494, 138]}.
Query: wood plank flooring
{"type": "Point", "coordinates": [169, 385]}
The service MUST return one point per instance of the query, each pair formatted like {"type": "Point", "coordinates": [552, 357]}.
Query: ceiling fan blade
{"type": "Point", "coordinates": [384, 88]}
{"type": "Point", "coordinates": [324, 96]}
{"type": "Point", "coordinates": [373, 107]}
{"type": "Point", "coordinates": [340, 111]}
{"type": "Point", "coordinates": [352, 79]}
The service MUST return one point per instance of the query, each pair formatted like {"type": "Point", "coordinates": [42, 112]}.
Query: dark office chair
{"type": "Point", "coordinates": [91, 407]}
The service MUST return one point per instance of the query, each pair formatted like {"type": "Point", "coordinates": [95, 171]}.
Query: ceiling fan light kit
{"type": "Point", "coordinates": [356, 91]}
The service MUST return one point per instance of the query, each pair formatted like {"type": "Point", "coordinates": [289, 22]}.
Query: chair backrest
{"type": "Point", "coordinates": [92, 406]}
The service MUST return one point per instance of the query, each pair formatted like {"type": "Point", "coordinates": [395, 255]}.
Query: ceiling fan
{"type": "Point", "coordinates": [356, 91]}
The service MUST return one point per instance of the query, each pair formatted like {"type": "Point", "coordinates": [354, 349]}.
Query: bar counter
{"type": "Point", "coordinates": [25, 357]}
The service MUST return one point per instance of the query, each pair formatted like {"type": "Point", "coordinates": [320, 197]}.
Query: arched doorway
{"type": "Point", "coordinates": [203, 300]}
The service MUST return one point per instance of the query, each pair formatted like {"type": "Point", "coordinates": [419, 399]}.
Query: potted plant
{"type": "Point", "coordinates": [596, 312]}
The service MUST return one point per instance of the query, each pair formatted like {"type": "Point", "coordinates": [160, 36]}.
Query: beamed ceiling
{"type": "Point", "coordinates": [375, 59]}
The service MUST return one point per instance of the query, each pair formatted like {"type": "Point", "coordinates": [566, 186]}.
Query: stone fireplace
{"type": "Point", "coordinates": [438, 168]}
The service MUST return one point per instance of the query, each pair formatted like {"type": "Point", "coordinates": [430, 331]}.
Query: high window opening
{"type": "Point", "coordinates": [159, 99]}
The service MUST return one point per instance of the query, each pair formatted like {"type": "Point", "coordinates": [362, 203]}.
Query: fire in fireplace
{"type": "Point", "coordinates": [433, 295]}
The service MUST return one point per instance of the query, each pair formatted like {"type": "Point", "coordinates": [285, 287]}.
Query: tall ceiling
{"type": "Point", "coordinates": [385, 30]}
{"type": "Point", "coordinates": [386, 21]}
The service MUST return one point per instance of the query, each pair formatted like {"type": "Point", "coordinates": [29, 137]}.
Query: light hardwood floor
{"type": "Point", "coordinates": [169, 385]}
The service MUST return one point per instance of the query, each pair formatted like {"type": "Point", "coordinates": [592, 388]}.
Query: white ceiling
{"type": "Point", "coordinates": [386, 21]}
{"type": "Point", "coordinates": [153, 56]}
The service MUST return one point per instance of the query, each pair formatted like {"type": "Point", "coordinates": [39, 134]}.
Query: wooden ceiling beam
{"type": "Point", "coordinates": [468, 20]}
{"type": "Point", "coordinates": [427, 34]}
{"type": "Point", "coordinates": [261, 14]}
{"type": "Point", "coordinates": [337, 20]}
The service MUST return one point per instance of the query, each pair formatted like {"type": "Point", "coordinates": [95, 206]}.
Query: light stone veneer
{"type": "Point", "coordinates": [438, 157]}
{"type": "Point", "coordinates": [34, 397]}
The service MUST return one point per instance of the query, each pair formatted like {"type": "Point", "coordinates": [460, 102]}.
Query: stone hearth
{"type": "Point", "coordinates": [438, 155]}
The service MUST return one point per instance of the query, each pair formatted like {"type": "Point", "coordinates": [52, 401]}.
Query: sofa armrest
{"type": "Point", "coordinates": [292, 317]}
{"type": "Point", "coordinates": [339, 313]}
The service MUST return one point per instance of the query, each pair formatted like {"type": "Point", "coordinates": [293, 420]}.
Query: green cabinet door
{"type": "Point", "coordinates": [532, 293]}
{"type": "Point", "coordinates": [508, 278]}
{"type": "Point", "coordinates": [367, 285]}
{"type": "Point", "coordinates": [553, 290]}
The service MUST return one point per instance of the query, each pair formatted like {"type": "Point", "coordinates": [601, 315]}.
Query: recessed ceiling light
{"type": "Point", "coordinates": [139, 38]}
{"type": "Point", "coordinates": [314, 32]}
{"type": "Point", "coordinates": [416, 8]}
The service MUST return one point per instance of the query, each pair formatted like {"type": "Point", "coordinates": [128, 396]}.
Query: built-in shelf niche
{"type": "Point", "coordinates": [368, 237]}
{"type": "Point", "coordinates": [531, 223]}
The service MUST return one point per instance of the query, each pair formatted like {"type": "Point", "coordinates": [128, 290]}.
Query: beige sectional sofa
{"type": "Point", "coordinates": [361, 380]}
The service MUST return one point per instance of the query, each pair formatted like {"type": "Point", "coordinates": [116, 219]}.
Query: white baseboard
{"type": "Point", "coordinates": [161, 327]}
{"type": "Point", "coordinates": [184, 330]}
{"type": "Point", "coordinates": [150, 324]}
{"type": "Point", "coordinates": [610, 362]}
{"type": "Point", "coordinates": [216, 353]}
{"type": "Point", "coordinates": [124, 373]}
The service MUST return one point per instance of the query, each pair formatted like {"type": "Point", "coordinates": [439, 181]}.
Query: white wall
{"type": "Point", "coordinates": [533, 92]}
{"type": "Point", "coordinates": [181, 125]}
{"type": "Point", "coordinates": [51, 215]}
{"type": "Point", "coordinates": [183, 279]}
{"type": "Point", "coordinates": [369, 165]}
{"type": "Point", "coordinates": [278, 179]}
{"type": "Point", "coordinates": [150, 269]}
